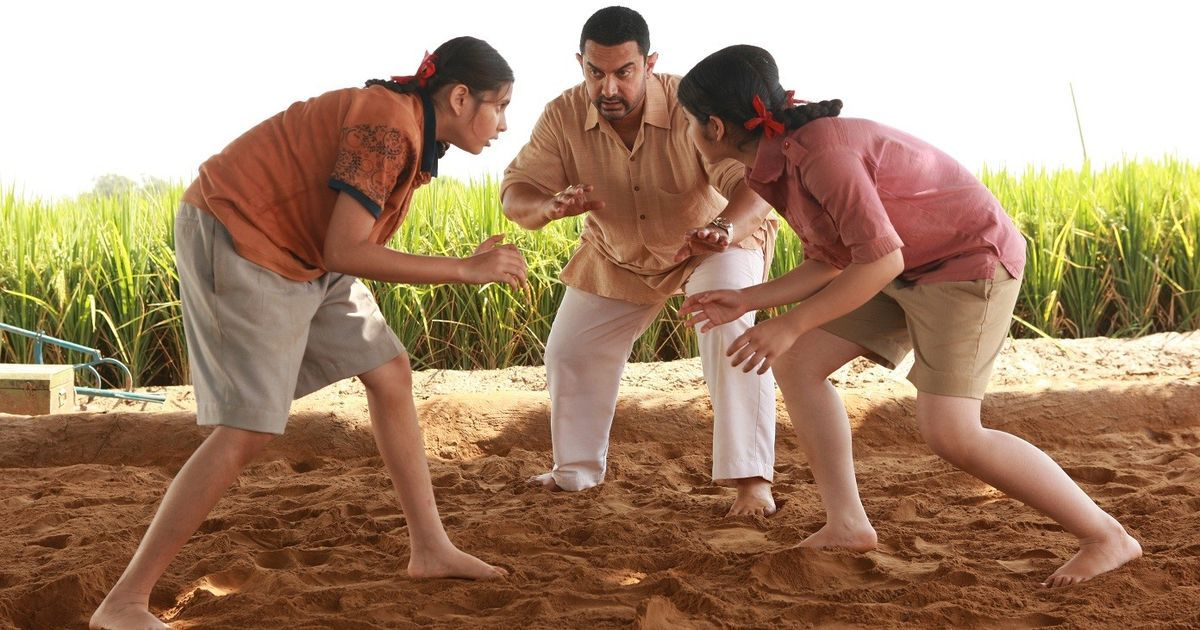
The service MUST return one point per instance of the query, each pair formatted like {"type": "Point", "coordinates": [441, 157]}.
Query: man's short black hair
{"type": "Point", "coordinates": [613, 26]}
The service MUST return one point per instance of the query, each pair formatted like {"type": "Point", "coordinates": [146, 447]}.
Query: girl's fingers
{"type": "Point", "coordinates": [738, 343]}
{"type": "Point", "coordinates": [742, 355]}
{"type": "Point", "coordinates": [766, 364]}
{"type": "Point", "coordinates": [755, 359]}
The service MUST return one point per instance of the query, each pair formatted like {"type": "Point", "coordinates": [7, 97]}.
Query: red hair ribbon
{"type": "Point", "coordinates": [771, 127]}
{"type": "Point", "coordinates": [424, 71]}
{"type": "Point", "coordinates": [790, 96]}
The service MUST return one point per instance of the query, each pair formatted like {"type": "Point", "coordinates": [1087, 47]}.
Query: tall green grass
{"type": "Point", "coordinates": [1112, 251]}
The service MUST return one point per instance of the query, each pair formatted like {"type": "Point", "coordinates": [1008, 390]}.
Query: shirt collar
{"type": "Point", "coordinates": [655, 111]}
{"type": "Point", "coordinates": [769, 160]}
{"type": "Point", "coordinates": [431, 149]}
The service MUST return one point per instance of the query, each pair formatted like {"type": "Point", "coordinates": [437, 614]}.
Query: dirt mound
{"type": "Point", "coordinates": [311, 535]}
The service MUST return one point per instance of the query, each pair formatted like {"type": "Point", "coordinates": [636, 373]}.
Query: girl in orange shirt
{"type": "Point", "coordinates": [270, 242]}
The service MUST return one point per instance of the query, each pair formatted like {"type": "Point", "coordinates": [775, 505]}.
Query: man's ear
{"type": "Point", "coordinates": [650, 61]}
{"type": "Point", "coordinates": [579, 58]}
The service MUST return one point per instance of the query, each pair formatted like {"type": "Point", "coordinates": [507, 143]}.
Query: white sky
{"type": "Point", "coordinates": [145, 88]}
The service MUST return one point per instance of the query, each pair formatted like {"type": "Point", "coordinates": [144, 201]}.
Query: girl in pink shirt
{"type": "Point", "coordinates": [903, 249]}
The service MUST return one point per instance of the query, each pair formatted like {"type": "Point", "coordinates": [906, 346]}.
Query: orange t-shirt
{"type": "Point", "coordinates": [274, 187]}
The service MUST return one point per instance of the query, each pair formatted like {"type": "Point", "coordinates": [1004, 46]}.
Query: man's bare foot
{"type": "Point", "coordinates": [1095, 557]}
{"type": "Point", "coordinates": [545, 480]}
{"type": "Point", "coordinates": [753, 498]}
{"type": "Point", "coordinates": [124, 616]}
{"type": "Point", "coordinates": [856, 537]}
{"type": "Point", "coordinates": [451, 563]}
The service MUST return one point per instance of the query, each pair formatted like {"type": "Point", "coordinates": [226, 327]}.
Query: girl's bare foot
{"type": "Point", "coordinates": [858, 537]}
{"type": "Point", "coordinates": [753, 498]}
{"type": "Point", "coordinates": [129, 615]}
{"type": "Point", "coordinates": [451, 563]}
{"type": "Point", "coordinates": [1095, 557]}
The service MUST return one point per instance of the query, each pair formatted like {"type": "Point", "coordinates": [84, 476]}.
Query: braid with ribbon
{"type": "Point", "coordinates": [803, 112]}
{"type": "Point", "coordinates": [740, 85]}
{"type": "Point", "coordinates": [411, 83]}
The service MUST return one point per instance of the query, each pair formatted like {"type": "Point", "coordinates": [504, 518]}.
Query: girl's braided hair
{"type": "Point", "coordinates": [466, 60]}
{"type": "Point", "coordinates": [725, 83]}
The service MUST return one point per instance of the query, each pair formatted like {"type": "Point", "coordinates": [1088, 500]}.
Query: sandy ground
{"type": "Point", "coordinates": [311, 536]}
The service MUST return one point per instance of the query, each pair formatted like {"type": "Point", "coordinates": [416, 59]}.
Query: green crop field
{"type": "Point", "coordinates": [1111, 252]}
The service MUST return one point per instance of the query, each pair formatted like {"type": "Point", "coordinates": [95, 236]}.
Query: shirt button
{"type": "Point", "coordinates": [786, 144]}
{"type": "Point", "coordinates": [632, 159]}
{"type": "Point", "coordinates": [643, 216]}
{"type": "Point", "coordinates": [636, 188]}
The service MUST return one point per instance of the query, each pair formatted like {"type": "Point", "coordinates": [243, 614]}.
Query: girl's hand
{"type": "Point", "coordinates": [570, 201]}
{"type": "Point", "coordinates": [703, 240]}
{"type": "Point", "coordinates": [764, 343]}
{"type": "Point", "coordinates": [495, 262]}
{"type": "Point", "coordinates": [713, 308]}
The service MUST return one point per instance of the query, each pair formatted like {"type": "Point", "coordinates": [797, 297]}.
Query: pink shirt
{"type": "Point", "coordinates": [855, 190]}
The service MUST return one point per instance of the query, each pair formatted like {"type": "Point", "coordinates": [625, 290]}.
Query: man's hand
{"type": "Point", "coordinates": [703, 240]}
{"type": "Point", "coordinates": [713, 308]}
{"type": "Point", "coordinates": [569, 202]}
{"type": "Point", "coordinates": [495, 262]}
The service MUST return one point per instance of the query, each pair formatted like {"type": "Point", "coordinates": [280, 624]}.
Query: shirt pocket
{"type": "Point", "coordinates": [812, 222]}
{"type": "Point", "coordinates": [666, 225]}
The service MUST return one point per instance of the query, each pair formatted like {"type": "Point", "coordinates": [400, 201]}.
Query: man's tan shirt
{"type": "Point", "coordinates": [653, 192]}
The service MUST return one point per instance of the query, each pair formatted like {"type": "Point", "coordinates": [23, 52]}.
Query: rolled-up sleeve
{"type": "Point", "coordinates": [540, 161]}
{"type": "Point", "coordinates": [839, 181]}
{"type": "Point", "coordinates": [725, 175]}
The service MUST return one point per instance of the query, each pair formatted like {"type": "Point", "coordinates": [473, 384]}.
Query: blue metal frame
{"type": "Point", "coordinates": [39, 339]}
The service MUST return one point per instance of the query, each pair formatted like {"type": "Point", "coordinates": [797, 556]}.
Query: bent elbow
{"type": "Point", "coordinates": [895, 263]}
{"type": "Point", "coordinates": [334, 258]}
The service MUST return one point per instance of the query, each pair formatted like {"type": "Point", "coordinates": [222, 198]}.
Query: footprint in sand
{"type": "Point", "coordinates": [1091, 474]}
{"type": "Point", "coordinates": [927, 548]}
{"type": "Point", "coordinates": [225, 582]}
{"type": "Point", "coordinates": [911, 509]}
{"type": "Point", "coordinates": [57, 541]}
{"type": "Point", "coordinates": [961, 578]}
{"type": "Point", "coordinates": [289, 491]}
{"type": "Point", "coordinates": [737, 539]}
{"type": "Point", "coordinates": [810, 570]}
{"type": "Point", "coordinates": [289, 558]}
{"type": "Point", "coordinates": [1028, 561]}
{"type": "Point", "coordinates": [1036, 620]}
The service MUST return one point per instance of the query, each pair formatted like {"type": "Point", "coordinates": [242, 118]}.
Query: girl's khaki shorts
{"type": "Point", "coordinates": [257, 340]}
{"type": "Point", "coordinates": [955, 328]}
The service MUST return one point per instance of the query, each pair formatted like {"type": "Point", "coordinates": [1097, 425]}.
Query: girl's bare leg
{"type": "Point", "coordinates": [820, 421]}
{"type": "Point", "coordinates": [398, 436]}
{"type": "Point", "coordinates": [951, 426]}
{"type": "Point", "coordinates": [201, 482]}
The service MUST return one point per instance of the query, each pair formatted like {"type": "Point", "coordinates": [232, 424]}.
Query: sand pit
{"type": "Point", "coordinates": [311, 535]}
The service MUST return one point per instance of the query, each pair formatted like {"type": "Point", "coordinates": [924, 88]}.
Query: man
{"type": "Point", "coordinates": [616, 148]}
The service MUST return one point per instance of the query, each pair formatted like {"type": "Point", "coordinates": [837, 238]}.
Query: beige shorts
{"type": "Point", "coordinates": [256, 340]}
{"type": "Point", "coordinates": [955, 328]}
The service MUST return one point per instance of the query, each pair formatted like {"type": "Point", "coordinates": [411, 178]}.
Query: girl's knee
{"type": "Point", "coordinates": [796, 368]}
{"type": "Point", "coordinates": [243, 443]}
{"type": "Point", "coordinates": [391, 376]}
{"type": "Point", "coordinates": [951, 441]}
